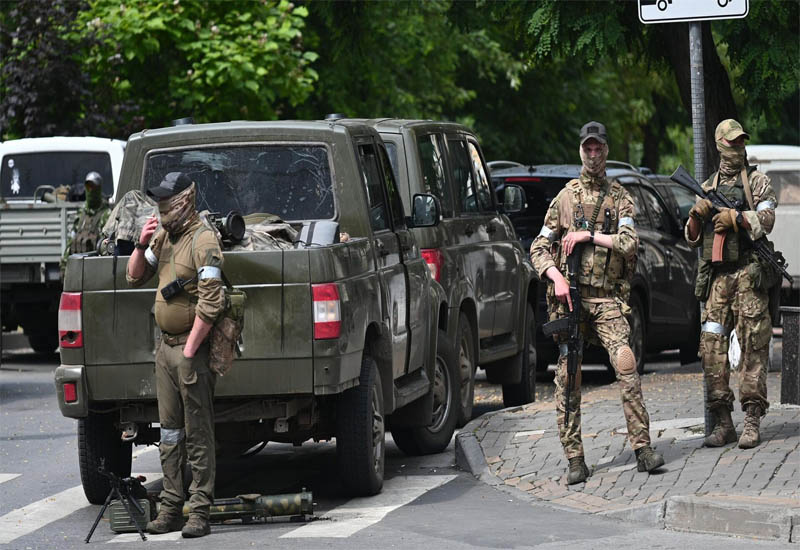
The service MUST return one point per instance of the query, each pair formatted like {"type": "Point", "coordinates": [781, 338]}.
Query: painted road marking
{"type": "Point", "coordinates": [23, 521]}
{"type": "Point", "coordinates": [360, 513]}
{"type": "Point", "coordinates": [8, 477]}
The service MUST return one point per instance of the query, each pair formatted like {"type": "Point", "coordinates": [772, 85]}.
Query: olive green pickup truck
{"type": "Point", "coordinates": [340, 333]}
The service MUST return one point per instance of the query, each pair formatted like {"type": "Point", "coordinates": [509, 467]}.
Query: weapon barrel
{"type": "Point", "coordinates": [293, 504]}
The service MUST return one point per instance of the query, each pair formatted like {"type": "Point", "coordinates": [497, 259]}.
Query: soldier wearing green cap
{"type": "Point", "coordinates": [731, 282]}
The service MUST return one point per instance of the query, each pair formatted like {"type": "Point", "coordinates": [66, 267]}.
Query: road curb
{"type": "Point", "coordinates": [469, 455]}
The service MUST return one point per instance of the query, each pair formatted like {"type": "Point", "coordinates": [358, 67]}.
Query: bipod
{"type": "Point", "coordinates": [123, 496]}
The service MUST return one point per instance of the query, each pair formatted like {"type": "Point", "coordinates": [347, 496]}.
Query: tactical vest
{"type": "Point", "coordinates": [601, 268]}
{"type": "Point", "coordinates": [736, 250]}
{"type": "Point", "coordinates": [88, 230]}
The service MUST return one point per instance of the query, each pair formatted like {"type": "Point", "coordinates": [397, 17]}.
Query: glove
{"type": "Point", "coordinates": [724, 220]}
{"type": "Point", "coordinates": [701, 209]}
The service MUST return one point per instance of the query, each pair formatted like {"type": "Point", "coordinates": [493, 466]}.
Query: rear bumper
{"type": "Point", "coordinates": [72, 373]}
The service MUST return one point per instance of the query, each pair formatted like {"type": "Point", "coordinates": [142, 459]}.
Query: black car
{"type": "Point", "coordinates": [665, 314]}
{"type": "Point", "coordinates": [679, 199]}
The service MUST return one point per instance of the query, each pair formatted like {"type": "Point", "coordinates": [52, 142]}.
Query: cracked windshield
{"type": "Point", "coordinates": [291, 181]}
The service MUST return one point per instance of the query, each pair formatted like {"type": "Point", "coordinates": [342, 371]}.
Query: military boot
{"type": "Point", "coordinates": [647, 459]}
{"type": "Point", "coordinates": [724, 432]}
{"type": "Point", "coordinates": [578, 470]}
{"type": "Point", "coordinates": [196, 527]}
{"type": "Point", "coordinates": [750, 436]}
{"type": "Point", "coordinates": [165, 522]}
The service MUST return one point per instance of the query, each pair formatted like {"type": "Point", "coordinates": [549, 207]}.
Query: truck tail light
{"type": "Point", "coordinates": [70, 392]}
{"type": "Point", "coordinates": [327, 314]}
{"type": "Point", "coordinates": [433, 257]}
{"type": "Point", "coordinates": [70, 328]}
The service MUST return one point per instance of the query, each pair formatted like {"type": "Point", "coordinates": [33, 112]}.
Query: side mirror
{"type": "Point", "coordinates": [425, 211]}
{"type": "Point", "coordinates": [513, 199]}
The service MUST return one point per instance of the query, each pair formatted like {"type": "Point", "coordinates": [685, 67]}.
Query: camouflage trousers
{"type": "Point", "coordinates": [605, 322]}
{"type": "Point", "coordinates": [733, 303]}
{"type": "Point", "coordinates": [185, 389]}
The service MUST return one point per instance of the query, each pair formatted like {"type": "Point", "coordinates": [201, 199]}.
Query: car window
{"type": "Point", "coordinates": [291, 181]}
{"type": "Point", "coordinates": [658, 213]}
{"type": "Point", "coordinates": [684, 198]}
{"type": "Point", "coordinates": [22, 173]}
{"type": "Point", "coordinates": [391, 148]}
{"type": "Point", "coordinates": [370, 170]}
{"type": "Point", "coordinates": [786, 184]}
{"type": "Point", "coordinates": [481, 179]}
{"type": "Point", "coordinates": [464, 179]}
{"type": "Point", "coordinates": [395, 204]}
{"type": "Point", "coordinates": [433, 174]}
{"type": "Point", "coordinates": [639, 210]}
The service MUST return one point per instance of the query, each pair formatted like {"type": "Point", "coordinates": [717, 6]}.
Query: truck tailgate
{"type": "Point", "coordinates": [34, 233]}
{"type": "Point", "coordinates": [120, 339]}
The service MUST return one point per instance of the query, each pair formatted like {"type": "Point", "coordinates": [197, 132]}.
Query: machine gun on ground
{"type": "Point", "coordinates": [128, 491]}
{"type": "Point", "coordinates": [761, 246]}
{"type": "Point", "coordinates": [570, 326]}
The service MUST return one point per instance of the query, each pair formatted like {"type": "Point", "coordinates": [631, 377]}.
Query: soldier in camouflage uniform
{"type": "Point", "coordinates": [735, 287]}
{"type": "Point", "coordinates": [184, 247]}
{"type": "Point", "coordinates": [606, 264]}
{"type": "Point", "coordinates": [90, 220]}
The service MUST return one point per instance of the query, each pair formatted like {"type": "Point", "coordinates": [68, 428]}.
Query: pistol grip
{"type": "Point", "coordinates": [717, 248]}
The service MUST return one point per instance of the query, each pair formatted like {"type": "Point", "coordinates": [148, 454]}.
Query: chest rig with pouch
{"type": "Point", "coordinates": [733, 250]}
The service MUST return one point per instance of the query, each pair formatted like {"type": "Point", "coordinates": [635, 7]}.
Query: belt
{"type": "Point", "coordinates": [174, 339]}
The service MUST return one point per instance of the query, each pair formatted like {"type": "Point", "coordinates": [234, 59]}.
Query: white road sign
{"type": "Point", "coordinates": [671, 11]}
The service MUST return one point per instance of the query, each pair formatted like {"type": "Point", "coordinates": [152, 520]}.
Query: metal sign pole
{"type": "Point", "coordinates": [699, 135]}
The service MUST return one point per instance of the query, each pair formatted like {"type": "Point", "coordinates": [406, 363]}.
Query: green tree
{"type": "Point", "coordinates": [212, 60]}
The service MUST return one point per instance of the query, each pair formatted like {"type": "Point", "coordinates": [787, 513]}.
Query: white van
{"type": "Point", "coordinates": [782, 164]}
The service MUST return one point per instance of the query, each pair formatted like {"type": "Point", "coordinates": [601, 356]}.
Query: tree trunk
{"type": "Point", "coordinates": [674, 42]}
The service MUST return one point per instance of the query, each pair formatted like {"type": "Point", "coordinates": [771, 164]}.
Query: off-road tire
{"type": "Point", "coordinates": [524, 391]}
{"type": "Point", "coordinates": [98, 438]}
{"type": "Point", "coordinates": [360, 433]}
{"type": "Point", "coordinates": [423, 440]}
{"type": "Point", "coordinates": [466, 363]}
{"type": "Point", "coordinates": [43, 341]}
{"type": "Point", "coordinates": [638, 335]}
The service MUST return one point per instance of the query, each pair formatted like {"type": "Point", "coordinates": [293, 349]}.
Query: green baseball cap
{"type": "Point", "coordinates": [730, 130]}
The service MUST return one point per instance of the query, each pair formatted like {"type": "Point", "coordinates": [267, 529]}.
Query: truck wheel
{"type": "Point", "coordinates": [524, 391]}
{"type": "Point", "coordinates": [638, 336]}
{"type": "Point", "coordinates": [423, 440]}
{"type": "Point", "coordinates": [466, 366]}
{"type": "Point", "coordinates": [689, 349]}
{"type": "Point", "coordinates": [43, 341]}
{"type": "Point", "coordinates": [98, 438]}
{"type": "Point", "coordinates": [360, 446]}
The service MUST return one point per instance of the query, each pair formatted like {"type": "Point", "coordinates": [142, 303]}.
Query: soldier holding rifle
{"type": "Point", "coordinates": [734, 275]}
{"type": "Point", "coordinates": [589, 226]}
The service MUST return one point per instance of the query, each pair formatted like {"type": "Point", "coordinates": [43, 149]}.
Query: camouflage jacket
{"type": "Point", "coordinates": [606, 271]}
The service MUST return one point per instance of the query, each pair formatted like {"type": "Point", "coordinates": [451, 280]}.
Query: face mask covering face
{"type": "Point", "coordinates": [94, 196]}
{"type": "Point", "coordinates": [595, 166]}
{"type": "Point", "coordinates": [178, 212]}
{"type": "Point", "coordinates": [731, 158]}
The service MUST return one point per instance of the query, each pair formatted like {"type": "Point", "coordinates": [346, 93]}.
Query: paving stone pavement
{"type": "Point", "coordinates": [522, 450]}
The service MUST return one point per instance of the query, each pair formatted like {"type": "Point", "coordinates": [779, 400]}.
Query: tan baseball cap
{"type": "Point", "coordinates": [730, 130]}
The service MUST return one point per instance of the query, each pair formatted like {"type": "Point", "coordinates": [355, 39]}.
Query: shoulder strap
{"type": "Point", "coordinates": [597, 207]}
{"type": "Point", "coordinates": [747, 191]}
{"type": "Point", "coordinates": [715, 182]}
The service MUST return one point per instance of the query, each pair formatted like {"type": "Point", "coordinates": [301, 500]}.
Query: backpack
{"type": "Point", "coordinates": [124, 225]}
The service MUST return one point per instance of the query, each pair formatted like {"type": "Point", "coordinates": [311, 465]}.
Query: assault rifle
{"type": "Point", "coordinates": [127, 490]}
{"type": "Point", "coordinates": [570, 326]}
{"type": "Point", "coordinates": [718, 200]}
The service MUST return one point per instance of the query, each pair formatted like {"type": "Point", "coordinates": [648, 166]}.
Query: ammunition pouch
{"type": "Point", "coordinates": [702, 283]}
{"type": "Point", "coordinates": [227, 331]}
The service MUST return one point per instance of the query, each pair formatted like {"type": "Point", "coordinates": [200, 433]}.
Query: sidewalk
{"type": "Point", "coordinates": [749, 493]}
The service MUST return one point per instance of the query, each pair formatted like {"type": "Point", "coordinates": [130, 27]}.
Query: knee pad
{"type": "Point", "coordinates": [626, 362]}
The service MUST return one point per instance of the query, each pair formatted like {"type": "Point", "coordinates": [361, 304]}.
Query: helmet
{"type": "Point", "coordinates": [94, 178]}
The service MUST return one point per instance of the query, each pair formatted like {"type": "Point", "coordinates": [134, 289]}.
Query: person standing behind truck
{"type": "Point", "coordinates": [90, 220]}
{"type": "Point", "coordinates": [603, 289]}
{"type": "Point", "coordinates": [734, 286]}
{"type": "Point", "coordinates": [188, 260]}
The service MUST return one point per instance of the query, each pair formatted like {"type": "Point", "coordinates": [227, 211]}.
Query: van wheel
{"type": "Point", "coordinates": [99, 439]}
{"type": "Point", "coordinates": [43, 341]}
{"type": "Point", "coordinates": [524, 391]}
{"type": "Point", "coordinates": [638, 335]}
{"type": "Point", "coordinates": [466, 367]}
{"type": "Point", "coordinates": [689, 349]}
{"type": "Point", "coordinates": [360, 433]}
{"type": "Point", "coordinates": [423, 440]}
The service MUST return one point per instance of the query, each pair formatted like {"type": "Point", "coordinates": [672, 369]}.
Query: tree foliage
{"type": "Point", "coordinates": [210, 59]}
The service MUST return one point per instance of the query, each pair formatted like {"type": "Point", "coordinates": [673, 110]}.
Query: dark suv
{"type": "Point", "coordinates": [474, 253]}
{"type": "Point", "coordinates": [665, 313]}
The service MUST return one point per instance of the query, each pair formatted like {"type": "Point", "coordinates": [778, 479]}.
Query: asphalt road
{"type": "Point", "coordinates": [426, 501]}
